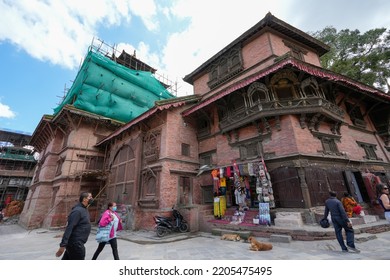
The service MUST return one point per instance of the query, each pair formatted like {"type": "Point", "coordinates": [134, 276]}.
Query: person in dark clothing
{"type": "Point", "coordinates": [340, 221]}
{"type": "Point", "coordinates": [77, 230]}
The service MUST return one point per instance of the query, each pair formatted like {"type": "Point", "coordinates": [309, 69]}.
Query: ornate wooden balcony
{"type": "Point", "coordinates": [245, 115]}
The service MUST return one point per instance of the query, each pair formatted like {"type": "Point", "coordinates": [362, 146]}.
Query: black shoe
{"type": "Point", "coordinates": [353, 249]}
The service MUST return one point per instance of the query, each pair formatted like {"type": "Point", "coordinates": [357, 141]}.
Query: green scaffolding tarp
{"type": "Point", "coordinates": [109, 89]}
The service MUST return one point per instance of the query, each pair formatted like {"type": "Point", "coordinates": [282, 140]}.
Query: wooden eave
{"type": "Point", "coordinates": [160, 105]}
{"type": "Point", "coordinates": [45, 131]}
{"type": "Point", "coordinates": [290, 62]}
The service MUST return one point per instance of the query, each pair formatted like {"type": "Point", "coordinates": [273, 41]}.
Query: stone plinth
{"type": "Point", "coordinates": [288, 219]}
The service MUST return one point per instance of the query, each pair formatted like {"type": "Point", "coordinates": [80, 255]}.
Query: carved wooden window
{"type": "Point", "coordinates": [203, 127]}
{"type": "Point", "coordinates": [310, 87]}
{"type": "Point", "coordinates": [185, 149]}
{"type": "Point", "coordinates": [297, 54]}
{"type": "Point", "coordinates": [284, 89]}
{"type": "Point", "coordinates": [149, 187]}
{"type": "Point", "coordinates": [207, 195]}
{"type": "Point", "coordinates": [236, 102]}
{"type": "Point", "coordinates": [94, 163]}
{"type": "Point", "coordinates": [60, 163]}
{"type": "Point", "coordinates": [152, 146]}
{"type": "Point", "coordinates": [206, 158]}
{"type": "Point", "coordinates": [223, 67]}
{"type": "Point", "coordinates": [283, 84]}
{"type": "Point", "coordinates": [227, 66]}
{"type": "Point", "coordinates": [295, 51]}
{"type": "Point", "coordinates": [257, 93]}
{"type": "Point", "coordinates": [185, 191]}
{"type": "Point", "coordinates": [214, 73]}
{"type": "Point", "coordinates": [355, 114]}
{"type": "Point", "coordinates": [369, 149]}
{"type": "Point", "coordinates": [235, 60]}
{"type": "Point", "coordinates": [249, 150]}
{"type": "Point", "coordinates": [222, 111]}
{"type": "Point", "coordinates": [329, 145]}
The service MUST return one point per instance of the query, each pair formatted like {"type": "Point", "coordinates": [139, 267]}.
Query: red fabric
{"type": "Point", "coordinates": [357, 209]}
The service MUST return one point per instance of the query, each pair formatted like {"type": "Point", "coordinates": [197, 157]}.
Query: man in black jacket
{"type": "Point", "coordinates": [340, 221]}
{"type": "Point", "coordinates": [77, 230]}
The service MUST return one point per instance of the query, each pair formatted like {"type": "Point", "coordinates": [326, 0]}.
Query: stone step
{"type": "Point", "coordinates": [366, 219]}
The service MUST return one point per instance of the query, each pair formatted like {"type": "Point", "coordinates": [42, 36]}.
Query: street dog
{"type": "Point", "coordinates": [258, 246]}
{"type": "Point", "coordinates": [230, 237]}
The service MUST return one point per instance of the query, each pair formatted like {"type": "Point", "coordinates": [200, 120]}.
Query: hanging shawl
{"type": "Point", "coordinates": [237, 181]}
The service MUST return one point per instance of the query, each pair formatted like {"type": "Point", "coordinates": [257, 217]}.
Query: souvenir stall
{"type": "Point", "coordinates": [244, 186]}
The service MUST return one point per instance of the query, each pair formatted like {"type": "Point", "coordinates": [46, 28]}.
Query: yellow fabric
{"type": "Point", "coordinates": [348, 203]}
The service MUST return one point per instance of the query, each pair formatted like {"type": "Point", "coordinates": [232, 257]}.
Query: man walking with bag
{"type": "Point", "coordinates": [77, 230]}
{"type": "Point", "coordinates": [340, 221]}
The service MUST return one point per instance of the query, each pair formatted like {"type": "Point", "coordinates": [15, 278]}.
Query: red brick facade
{"type": "Point", "coordinates": [264, 96]}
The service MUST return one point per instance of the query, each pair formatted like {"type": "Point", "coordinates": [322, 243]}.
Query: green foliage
{"type": "Point", "coordinates": [362, 57]}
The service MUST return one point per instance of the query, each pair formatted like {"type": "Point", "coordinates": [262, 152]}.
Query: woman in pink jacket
{"type": "Point", "coordinates": [110, 216]}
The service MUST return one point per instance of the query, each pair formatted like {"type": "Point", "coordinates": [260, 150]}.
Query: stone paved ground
{"type": "Point", "coordinates": [17, 243]}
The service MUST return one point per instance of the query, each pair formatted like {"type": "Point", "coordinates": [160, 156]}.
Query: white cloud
{"type": "Point", "coordinates": [6, 112]}
{"type": "Point", "coordinates": [58, 31]}
{"type": "Point", "coordinates": [146, 9]}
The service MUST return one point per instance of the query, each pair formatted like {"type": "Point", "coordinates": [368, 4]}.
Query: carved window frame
{"type": "Point", "coordinates": [207, 158]}
{"type": "Point", "coordinates": [151, 146]}
{"type": "Point", "coordinates": [369, 149]}
{"type": "Point", "coordinates": [312, 85]}
{"type": "Point", "coordinates": [355, 114]}
{"type": "Point", "coordinates": [185, 149]}
{"type": "Point", "coordinates": [207, 195]}
{"type": "Point", "coordinates": [60, 163]}
{"type": "Point", "coordinates": [226, 67]}
{"type": "Point", "coordinates": [255, 90]}
{"type": "Point", "coordinates": [285, 80]}
{"type": "Point", "coordinates": [185, 190]}
{"type": "Point", "coordinates": [329, 143]}
{"type": "Point", "coordinates": [295, 50]}
{"type": "Point", "coordinates": [150, 182]}
{"type": "Point", "coordinates": [249, 149]}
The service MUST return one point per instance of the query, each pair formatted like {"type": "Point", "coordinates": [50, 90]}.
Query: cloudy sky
{"type": "Point", "coordinates": [43, 42]}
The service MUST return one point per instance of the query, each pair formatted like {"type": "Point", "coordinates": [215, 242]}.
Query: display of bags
{"type": "Point", "coordinates": [103, 233]}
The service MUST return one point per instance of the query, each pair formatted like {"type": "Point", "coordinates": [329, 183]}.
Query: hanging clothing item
{"type": "Point", "coordinates": [245, 170]}
{"type": "Point", "coordinates": [229, 171]}
{"type": "Point", "coordinates": [214, 173]}
{"type": "Point", "coordinates": [222, 182]}
{"type": "Point", "coordinates": [250, 169]}
{"type": "Point", "coordinates": [241, 168]}
{"type": "Point", "coordinates": [221, 173]}
{"type": "Point", "coordinates": [237, 196]}
{"type": "Point", "coordinates": [246, 182]}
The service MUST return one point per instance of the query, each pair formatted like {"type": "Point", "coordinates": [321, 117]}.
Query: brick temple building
{"type": "Point", "coordinates": [264, 113]}
{"type": "Point", "coordinates": [17, 165]}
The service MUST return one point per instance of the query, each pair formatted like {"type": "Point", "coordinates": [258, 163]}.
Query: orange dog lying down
{"type": "Point", "coordinates": [258, 246]}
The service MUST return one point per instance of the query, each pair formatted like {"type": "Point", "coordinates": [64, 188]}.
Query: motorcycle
{"type": "Point", "coordinates": [165, 225]}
